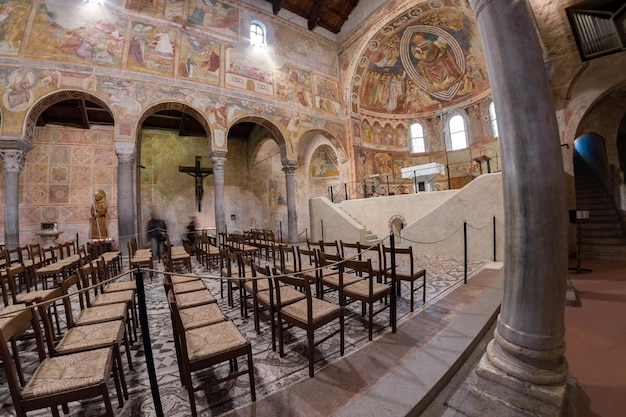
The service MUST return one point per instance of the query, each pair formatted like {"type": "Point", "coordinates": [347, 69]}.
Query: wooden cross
{"type": "Point", "coordinates": [198, 173]}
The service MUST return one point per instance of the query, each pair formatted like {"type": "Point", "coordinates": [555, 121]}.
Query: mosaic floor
{"type": "Point", "coordinates": [272, 372]}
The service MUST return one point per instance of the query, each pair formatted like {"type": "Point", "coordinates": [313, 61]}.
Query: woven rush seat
{"type": "Point", "coordinates": [113, 298]}
{"type": "Point", "coordinates": [261, 285]}
{"type": "Point", "coordinates": [10, 311]}
{"type": "Point", "coordinates": [321, 310]}
{"type": "Point", "coordinates": [178, 279]}
{"type": "Point", "coordinates": [287, 295]}
{"type": "Point", "coordinates": [333, 279]}
{"type": "Point", "coordinates": [189, 286]}
{"type": "Point", "coordinates": [45, 295]}
{"type": "Point", "coordinates": [121, 286]}
{"type": "Point", "coordinates": [81, 337]}
{"type": "Point", "coordinates": [65, 373]}
{"type": "Point", "coordinates": [193, 299]}
{"type": "Point", "coordinates": [207, 341]}
{"type": "Point", "coordinates": [202, 315]}
{"type": "Point", "coordinates": [101, 313]}
{"type": "Point", "coordinates": [361, 288]}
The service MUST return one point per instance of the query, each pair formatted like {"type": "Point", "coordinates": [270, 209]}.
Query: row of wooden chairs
{"type": "Point", "coordinates": [79, 364]}
{"type": "Point", "coordinates": [203, 336]}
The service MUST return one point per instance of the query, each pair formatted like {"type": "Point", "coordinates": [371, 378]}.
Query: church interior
{"type": "Point", "coordinates": [205, 142]}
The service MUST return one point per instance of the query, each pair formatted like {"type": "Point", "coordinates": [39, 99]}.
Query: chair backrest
{"type": "Point", "coordinates": [13, 256]}
{"type": "Point", "coordinates": [328, 259]}
{"type": "Point", "coordinates": [307, 258]}
{"type": "Point", "coordinates": [350, 250]}
{"type": "Point", "coordinates": [372, 252]}
{"type": "Point", "coordinates": [66, 285]}
{"type": "Point", "coordinates": [402, 255]}
{"type": "Point", "coordinates": [24, 252]}
{"type": "Point", "coordinates": [287, 254]}
{"type": "Point", "coordinates": [36, 253]}
{"type": "Point", "coordinates": [49, 255]}
{"type": "Point", "coordinates": [12, 329]}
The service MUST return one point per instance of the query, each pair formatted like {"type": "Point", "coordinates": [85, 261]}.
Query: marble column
{"type": "Point", "coordinates": [13, 160]}
{"type": "Point", "coordinates": [292, 215]}
{"type": "Point", "coordinates": [126, 223]}
{"type": "Point", "coordinates": [524, 367]}
{"type": "Point", "coordinates": [218, 158]}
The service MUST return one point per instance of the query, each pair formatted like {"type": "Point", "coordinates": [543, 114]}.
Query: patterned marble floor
{"type": "Point", "coordinates": [272, 372]}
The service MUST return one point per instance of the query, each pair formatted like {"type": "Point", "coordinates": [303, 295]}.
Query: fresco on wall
{"type": "Point", "coordinates": [171, 10]}
{"type": "Point", "coordinates": [200, 59]}
{"type": "Point", "coordinates": [17, 95]}
{"type": "Point", "coordinates": [420, 61]}
{"type": "Point", "coordinates": [214, 15]}
{"type": "Point", "coordinates": [246, 73]}
{"type": "Point", "coordinates": [74, 32]}
{"type": "Point", "coordinates": [277, 193]}
{"type": "Point", "coordinates": [151, 48]}
{"type": "Point", "coordinates": [327, 96]}
{"type": "Point", "coordinates": [294, 85]}
{"type": "Point", "coordinates": [13, 20]}
{"type": "Point", "coordinates": [324, 163]}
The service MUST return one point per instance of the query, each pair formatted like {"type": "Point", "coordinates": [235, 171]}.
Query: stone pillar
{"type": "Point", "coordinates": [13, 160]}
{"type": "Point", "coordinates": [218, 158]}
{"type": "Point", "coordinates": [292, 215]}
{"type": "Point", "coordinates": [524, 367]}
{"type": "Point", "coordinates": [126, 223]}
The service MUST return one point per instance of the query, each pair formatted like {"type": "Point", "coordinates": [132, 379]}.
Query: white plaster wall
{"type": "Point", "coordinates": [375, 213]}
{"type": "Point", "coordinates": [434, 220]}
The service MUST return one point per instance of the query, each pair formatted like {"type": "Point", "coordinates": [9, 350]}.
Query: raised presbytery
{"type": "Point", "coordinates": [312, 144]}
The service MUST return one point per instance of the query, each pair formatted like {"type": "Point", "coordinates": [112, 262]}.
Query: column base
{"type": "Point", "coordinates": [490, 392]}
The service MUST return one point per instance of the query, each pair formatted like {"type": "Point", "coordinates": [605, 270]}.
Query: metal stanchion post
{"type": "Point", "coordinates": [465, 251]}
{"type": "Point", "coordinates": [147, 345]}
{"type": "Point", "coordinates": [393, 307]}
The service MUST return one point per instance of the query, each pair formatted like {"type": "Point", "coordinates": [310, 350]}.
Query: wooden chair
{"type": "Point", "coordinates": [109, 334]}
{"type": "Point", "coordinates": [326, 247]}
{"type": "Point", "coordinates": [364, 289]}
{"type": "Point", "coordinates": [288, 260]}
{"type": "Point", "coordinates": [374, 253]}
{"type": "Point", "coordinates": [57, 380]}
{"type": "Point", "coordinates": [405, 271]}
{"type": "Point", "coordinates": [204, 346]}
{"type": "Point", "coordinates": [309, 267]}
{"type": "Point", "coordinates": [230, 272]}
{"type": "Point", "coordinates": [266, 295]}
{"type": "Point", "coordinates": [332, 274]}
{"type": "Point", "coordinates": [309, 314]}
{"type": "Point", "coordinates": [140, 259]}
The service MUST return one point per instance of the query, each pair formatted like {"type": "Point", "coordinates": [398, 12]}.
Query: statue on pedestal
{"type": "Point", "coordinates": [99, 210]}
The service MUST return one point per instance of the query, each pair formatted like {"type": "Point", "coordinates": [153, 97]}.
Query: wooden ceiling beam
{"type": "Point", "coordinates": [277, 5]}
{"type": "Point", "coordinates": [83, 114]}
{"type": "Point", "coordinates": [316, 13]}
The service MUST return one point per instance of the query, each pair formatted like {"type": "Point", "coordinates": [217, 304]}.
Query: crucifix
{"type": "Point", "coordinates": [198, 173]}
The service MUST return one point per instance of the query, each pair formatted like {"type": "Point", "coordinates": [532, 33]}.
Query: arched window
{"type": "Point", "coordinates": [416, 138]}
{"type": "Point", "coordinates": [258, 34]}
{"type": "Point", "coordinates": [492, 118]}
{"type": "Point", "coordinates": [458, 132]}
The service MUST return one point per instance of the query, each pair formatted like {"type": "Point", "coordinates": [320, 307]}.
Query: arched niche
{"type": "Point", "coordinates": [178, 135]}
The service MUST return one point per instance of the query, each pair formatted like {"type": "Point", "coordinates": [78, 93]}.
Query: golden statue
{"type": "Point", "coordinates": [98, 216]}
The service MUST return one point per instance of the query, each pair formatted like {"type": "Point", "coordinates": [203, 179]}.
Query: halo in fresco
{"type": "Point", "coordinates": [448, 54]}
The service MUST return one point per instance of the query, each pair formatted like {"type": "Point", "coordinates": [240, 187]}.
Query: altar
{"type": "Point", "coordinates": [424, 175]}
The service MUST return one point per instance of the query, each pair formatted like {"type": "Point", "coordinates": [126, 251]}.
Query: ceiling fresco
{"type": "Point", "coordinates": [426, 59]}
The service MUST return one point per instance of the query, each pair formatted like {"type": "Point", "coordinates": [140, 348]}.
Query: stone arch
{"type": "Point", "coordinates": [304, 151]}
{"type": "Point", "coordinates": [177, 197]}
{"type": "Point", "coordinates": [46, 101]}
{"type": "Point", "coordinates": [181, 107]}
{"type": "Point", "coordinates": [396, 223]}
{"type": "Point", "coordinates": [272, 128]}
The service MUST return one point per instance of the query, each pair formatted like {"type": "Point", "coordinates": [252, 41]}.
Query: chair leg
{"type": "Point", "coordinates": [311, 341]}
{"type": "Point", "coordinates": [371, 306]}
{"type": "Point", "coordinates": [412, 296]}
{"type": "Point", "coordinates": [341, 334]}
{"type": "Point", "coordinates": [251, 373]}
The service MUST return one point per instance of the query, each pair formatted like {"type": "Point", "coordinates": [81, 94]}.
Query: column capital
{"type": "Point", "coordinates": [125, 151]}
{"type": "Point", "coordinates": [290, 167]}
{"type": "Point", "coordinates": [218, 158]}
{"type": "Point", "coordinates": [13, 160]}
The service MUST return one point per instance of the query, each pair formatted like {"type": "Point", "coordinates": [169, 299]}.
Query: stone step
{"type": "Point", "coordinates": [603, 252]}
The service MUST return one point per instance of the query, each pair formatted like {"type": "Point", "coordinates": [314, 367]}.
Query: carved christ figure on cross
{"type": "Point", "coordinates": [198, 173]}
